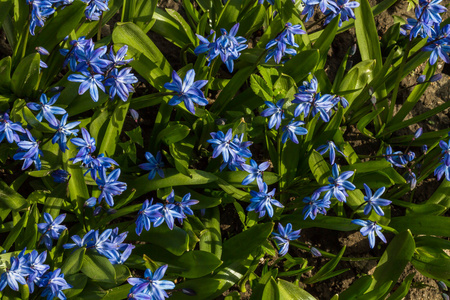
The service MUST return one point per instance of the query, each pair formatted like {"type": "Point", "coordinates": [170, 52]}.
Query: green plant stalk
{"type": "Point", "coordinates": [99, 30]}
{"type": "Point", "coordinates": [304, 246]}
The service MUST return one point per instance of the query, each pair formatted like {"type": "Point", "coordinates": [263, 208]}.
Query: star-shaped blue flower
{"type": "Point", "coordinates": [262, 201]}
{"type": "Point", "coordinates": [275, 112]}
{"type": "Point", "coordinates": [284, 236]}
{"type": "Point", "coordinates": [369, 229]}
{"type": "Point", "coordinates": [374, 201]}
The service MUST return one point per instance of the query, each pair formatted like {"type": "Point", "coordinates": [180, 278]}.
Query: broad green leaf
{"type": "Point", "coordinates": [271, 290]}
{"type": "Point", "coordinates": [181, 153]}
{"type": "Point", "coordinates": [401, 292]}
{"type": "Point", "coordinates": [251, 238]}
{"type": "Point", "coordinates": [261, 88]}
{"type": "Point", "coordinates": [77, 281]}
{"type": "Point", "coordinates": [252, 20]}
{"type": "Point", "coordinates": [393, 261]}
{"type": "Point", "coordinates": [25, 80]}
{"type": "Point", "coordinates": [98, 268]}
{"type": "Point", "coordinates": [301, 65]}
{"type": "Point", "coordinates": [359, 287]}
{"type": "Point", "coordinates": [211, 238]}
{"type": "Point", "coordinates": [229, 15]}
{"type": "Point", "coordinates": [418, 224]}
{"type": "Point", "coordinates": [235, 178]}
{"type": "Point", "coordinates": [73, 262]}
{"type": "Point", "coordinates": [432, 262]}
{"type": "Point", "coordinates": [319, 167]}
{"type": "Point", "coordinates": [327, 222]}
{"type": "Point", "coordinates": [143, 15]}
{"type": "Point", "coordinates": [111, 137]}
{"type": "Point", "coordinates": [324, 41]}
{"type": "Point", "coordinates": [5, 64]}
{"type": "Point", "coordinates": [166, 26]}
{"type": "Point", "coordinates": [364, 121]}
{"type": "Point", "coordinates": [184, 25]}
{"type": "Point", "coordinates": [33, 122]}
{"type": "Point", "coordinates": [291, 291]}
{"type": "Point", "coordinates": [14, 234]}
{"type": "Point", "coordinates": [191, 264]}
{"type": "Point", "coordinates": [173, 133]}
{"type": "Point", "coordinates": [30, 234]}
{"type": "Point", "coordinates": [9, 198]}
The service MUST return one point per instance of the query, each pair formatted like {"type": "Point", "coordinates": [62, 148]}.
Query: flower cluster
{"type": "Point", "coordinates": [97, 166]}
{"type": "Point", "coordinates": [427, 23]}
{"type": "Point", "coordinates": [30, 269]}
{"type": "Point", "coordinates": [228, 46]}
{"type": "Point", "coordinates": [151, 286]}
{"type": "Point", "coordinates": [168, 212]}
{"type": "Point", "coordinates": [99, 68]}
{"type": "Point", "coordinates": [331, 9]}
{"type": "Point", "coordinates": [109, 244]}
{"type": "Point", "coordinates": [284, 39]}
{"type": "Point", "coordinates": [233, 149]}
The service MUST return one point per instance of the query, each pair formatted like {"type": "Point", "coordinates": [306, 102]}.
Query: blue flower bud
{"type": "Point", "coordinates": [315, 252]}
{"type": "Point", "coordinates": [424, 149]}
{"type": "Point", "coordinates": [418, 133]}
{"type": "Point", "coordinates": [90, 202]}
{"type": "Point", "coordinates": [436, 77]}
{"type": "Point", "coordinates": [421, 79]}
{"type": "Point", "coordinates": [442, 285]}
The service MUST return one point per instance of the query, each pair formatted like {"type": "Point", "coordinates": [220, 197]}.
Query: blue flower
{"type": "Point", "coordinates": [154, 165]}
{"type": "Point", "coordinates": [119, 58]}
{"type": "Point", "coordinates": [397, 159]}
{"type": "Point", "coordinates": [338, 185]}
{"type": "Point", "coordinates": [331, 146]}
{"type": "Point", "coordinates": [30, 152]}
{"type": "Point", "coordinates": [284, 236]}
{"type": "Point", "coordinates": [221, 144]}
{"type": "Point", "coordinates": [15, 274]}
{"type": "Point", "coordinates": [71, 55]}
{"type": "Point", "coordinates": [109, 185]}
{"type": "Point", "coordinates": [35, 268]}
{"type": "Point", "coordinates": [207, 46]}
{"type": "Point", "coordinates": [118, 258]}
{"type": "Point", "coordinates": [344, 9]}
{"type": "Point", "coordinates": [292, 130]}
{"type": "Point", "coordinates": [262, 201]}
{"type": "Point", "coordinates": [80, 242]}
{"type": "Point", "coordinates": [51, 229]}
{"type": "Point", "coordinates": [93, 82]}
{"type": "Point", "coordinates": [183, 207]}
{"type": "Point", "coordinates": [167, 213]}
{"type": "Point", "coordinates": [446, 151]}
{"type": "Point", "coordinates": [85, 145]}
{"type": "Point", "coordinates": [151, 285]}
{"type": "Point", "coordinates": [374, 201]}
{"type": "Point", "coordinates": [146, 215]}
{"type": "Point", "coordinates": [256, 172]}
{"type": "Point", "coordinates": [95, 9]}
{"type": "Point", "coordinates": [275, 111]}
{"type": "Point", "coordinates": [442, 169]}
{"type": "Point", "coordinates": [46, 110]}
{"type": "Point", "coordinates": [54, 285]}
{"type": "Point", "coordinates": [286, 37]}
{"type": "Point", "coordinates": [63, 130]}
{"type": "Point", "coordinates": [369, 229]}
{"type": "Point", "coordinates": [94, 164]}
{"type": "Point", "coordinates": [315, 206]}
{"type": "Point", "coordinates": [120, 83]}
{"type": "Point", "coordinates": [8, 128]}
{"type": "Point", "coordinates": [431, 10]}
{"type": "Point", "coordinates": [421, 26]}
{"type": "Point", "coordinates": [40, 11]}
{"type": "Point", "coordinates": [92, 58]}
{"type": "Point", "coordinates": [229, 46]}
{"type": "Point", "coordinates": [60, 175]}
{"type": "Point", "coordinates": [187, 91]}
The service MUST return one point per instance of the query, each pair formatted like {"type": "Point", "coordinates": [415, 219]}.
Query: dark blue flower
{"type": "Point", "coordinates": [342, 8]}
{"type": "Point", "coordinates": [187, 91]}
{"type": "Point", "coordinates": [54, 285]}
{"type": "Point", "coordinates": [119, 58]}
{"type": "Point", "coordinates": [431, 10]}
{"type": "Point", "coordinates": [167, 213]}
{"type": "Point", "coordinates": [374, 201]}
{"type": "Point", "coordinates": [262, 201]}
{"type": "Point", "coordinates": [71, 54]}
{"type": "Point", "coordinates": [109, 185]}
{"type": "Point", "coordinates": [207, 46]}
{"type": "Point", "coordinates": [118, 258]}
{"type": "Point", "coordinates": [183, 207]}
{"type": "Point", "coordinates": [80, 242]}
{"type": "Point", "coordinates": [8, 129]}
{"type": "Point", "coordinates": [29, 152]}
{"type": "Point", "coordinates": [46, 109]}
{"type": "Point", "coordinates": [63, 130]}
{"type": "Point", "coordinates": [51, 229]}
{"type": "Point", "coordinates": [315, 206]}
{"type": "Point", "coordinates": [221, 144]}
{"type": "Point", "coordinates": [151, 285]}
{"type": "Point", "coordinates": [369, 229]}
{"type": "Point", "coordinates": [95, 9]}
{"type": "Point", "coordinates": [276, 113]}
{"type": "Point", "coordinates": [338, 185]}
{"type": "Point", "coordinates": [15, 274]}
{"type": "Point", "coordinates": [93, 82]}
{"type": "Point", "coordinates": [154, 165]}
{"type": "Point", "coordinates": [441, 170]}
{"type": "Point", "coordinates": [92, 58]}
{"type": "Point", "coordinates": [446, 151]}
{"type": "Point", "coordinates": [396, 158]}
{"type": "Point", "coordinates": [120, 83]}
{"type": "Point", "coordinates": [332, 148]}
{"type": "Point", "coordinates": [60, 175]}
{"type": "Point", "coordinates": [292, 130]}
{"type": "Point", "coordinates": [256, 172]}
{"type": "Point", "coordinates": [94, 164]}
{"type": "Point", "coordinates": [284, 236]}
{"type": "Point", "coordinates": [35, 268]}
{"type": "Point", "coordinates": [229, 46]}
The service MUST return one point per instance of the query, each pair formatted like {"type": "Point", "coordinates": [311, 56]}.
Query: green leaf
{"type": "Point", "coordinates": [364, 121]}
{"type": "Point", "coordinates": [403, 289]}
{"type": "Point", "coordinates": [98, 268]}
{"type": "Point", "coordinates": [191, 264]}
{"type": "Point", "coordinates": [271, 290]}
{"type": "Point", "coordinates": [9, 198]}
{"type": "Point", "coordinates": [166, 26]}
{"type": "Point", "coordinates": [359, 287]}
{"type": "Point", "coordinates": [211, 238]}
{"type": "Point", "coordinates": [251, 238]}
{"type": "Point", "coordinates": [77, 281]}
{"type": "Point", "coordinates": [326, 269]}
{"type": "Point", "coordinates": [143, 15]}
{"type": "Point", "coordinates": [74, 262]}
{"type": "Point", "coordinates": [135, 136]}
{"type": "Point", "coordinates": [393, 261]}
{"type": "Point", "coordinates": [291, 291]}
{"type": "Point", "coordinates": [175, 241]}
{"type": "Point", "coordinates": [173, 133]}
{"type": "Point", "coordinates": [319, 167]}
{"type": "Point", "coordinates": [252, 20]}
{"type": "Point", "coordinates": [33, 122]}
{"type": "Point", "coordinates": [111, 137]}
{"type": "Point", "coordinates": [5, 63]}
{"type": "Point", "coordinates": [25, 80]}
{"type": "Point", "coordinates": [327, 222]}
{"type": "Point", "coordinates": [235, 178]}
{"type": "Point", "coordinates": [31, 230]}
{"type": "Point", "coordinates": [432, 262]}
{"type": "Point", "coordinates": [229, 15]}
{"type": "Point", "coordinates": [301, 65]}
{"type": "Point", "coordinates": [261, 88]}
{"type": "Point", "coordinates": [367, 35]}
{"type": "Point", "coordinates": [418, 224]}
{"type": "Point", "coordinates": [14, 234]}
{"type": "Point", "coordinates": [324, 41]}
